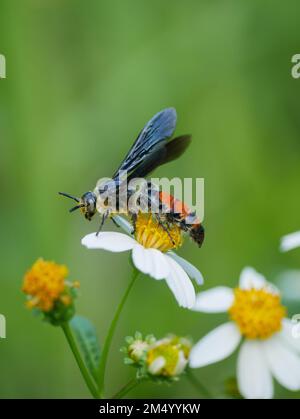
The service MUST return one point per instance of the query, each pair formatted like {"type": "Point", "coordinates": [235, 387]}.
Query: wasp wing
{"type": "Point", "coordinates": [161, 154]}
{"type": "Point", "coordinates": [155, 132]}
{"type": "Point", "coordinates": [176, 147]}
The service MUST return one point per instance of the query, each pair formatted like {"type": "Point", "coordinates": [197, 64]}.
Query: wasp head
{"type": "Point", "coordinates": [86, 204]}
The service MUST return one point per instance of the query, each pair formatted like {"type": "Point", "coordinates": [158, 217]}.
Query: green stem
{"type": "Point", "coordinates": [198, 385]}
{"type": "Point", "coordinates": [128, 387]}
{"type": "Point", "coordinates": [110, 334]}
{"type": "Point", "coordinates": [85, 374]}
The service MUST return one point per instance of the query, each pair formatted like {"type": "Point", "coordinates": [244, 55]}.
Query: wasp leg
{"type": "Point", "coordinates": [104, 217]}
{"type": "Point", "coordinates": [166, 229]}
{"type": "Point", "coordinates": [115, 222]}
{"type": "Point", "coordinates": [133, 219]}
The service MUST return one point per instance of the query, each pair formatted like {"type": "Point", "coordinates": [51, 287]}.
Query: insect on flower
{"type": "Point", "coordinates": [150, 150]}
{"type": "Point", "coordinates": [174, 211]}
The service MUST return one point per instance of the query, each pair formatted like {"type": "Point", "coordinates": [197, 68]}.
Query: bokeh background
{"type": "Point", "coordinates": [82, 79]}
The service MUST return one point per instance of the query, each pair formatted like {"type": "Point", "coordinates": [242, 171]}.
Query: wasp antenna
{"type": "Point", "coordinates": [69, 196]}
{"type": "Point", "coordinates": [76, 207]}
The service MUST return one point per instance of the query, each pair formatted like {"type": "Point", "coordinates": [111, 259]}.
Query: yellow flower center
{"type": "Point", "coordinates": [170, 353]}
{"type": "Point", "coordinates": [183, 343]}
{"type": "Point", "coordinates": [151, 234]}
{"type": "Point", "coordinates": [257, 312]}
{"type": "Point", "coordinates": [174, 351]}
{"type": "Point", "coordinates": [45, 284]}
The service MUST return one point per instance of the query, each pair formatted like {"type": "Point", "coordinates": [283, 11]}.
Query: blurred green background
{"type": "Point", "coordinates": [82, 79]}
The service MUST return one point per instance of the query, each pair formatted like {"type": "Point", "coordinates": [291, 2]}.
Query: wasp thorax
{"type": "Point", "coordinates": [88, 200]}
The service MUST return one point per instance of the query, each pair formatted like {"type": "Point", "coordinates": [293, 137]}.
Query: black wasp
{"type": "Point", "coordinates": [150, 150]}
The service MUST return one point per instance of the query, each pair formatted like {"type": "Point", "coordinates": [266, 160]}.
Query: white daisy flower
{"type": "Point", "coordinates": [258, 318]}
{"type": "Point", "coordinates": [152, 255]}
{"type": "Point", "coordinates": [290, 241]}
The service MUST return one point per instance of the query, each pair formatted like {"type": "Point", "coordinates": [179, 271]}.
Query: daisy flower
{"type": "Point", "coordinates": [258, 318]}
{"type": "Point", "coordinates": [290, 241]}
{"type": "Point", "coordinates": [152, 254]}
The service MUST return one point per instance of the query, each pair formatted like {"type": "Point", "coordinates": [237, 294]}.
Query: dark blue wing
{"type": "Point", "coordinates": [156, 131]}
{"type": "Point", "coordinates": [161, 154]}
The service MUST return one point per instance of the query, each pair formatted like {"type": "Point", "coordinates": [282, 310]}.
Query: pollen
{"type": "Point", "coordinates": [152, 234]}
{"type": "Point", "coordinates": [45, 284]}
{"type": "Point", "coordinates": [257, 312]}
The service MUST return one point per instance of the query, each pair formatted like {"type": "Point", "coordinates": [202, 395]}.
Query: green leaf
{"type": "Point", "coordinates": [85, 334]}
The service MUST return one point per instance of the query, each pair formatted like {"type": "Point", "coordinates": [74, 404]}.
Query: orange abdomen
{"type": "Point", "coordinates": [175, 205]}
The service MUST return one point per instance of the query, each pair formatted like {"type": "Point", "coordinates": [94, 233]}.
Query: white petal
{"type": "Point", "coordinates": [215, 346]}
{"type": "Point", "coordinates": [289, 283]}
{"type": "Point", "coordinates": [190, 269]}
{"type": "Point", "coordinates": [151, 262]}
{"type": "Point", "coordinates": [290, 241]}
{"type": "Point", "coordinates": [250, 278]}
{"type": "Point", "coordinates": [253, 374]}
{"type": "Point", "coordinates": [283, 362]}
{"type": "Point", "coordinates": [180, 284]}
{"type": "Point", "coordinates": [181, 363]}
{"type": "Point", "coordinates": [290, 333]}
{"type": "Point", "coordinates": [156, 366]}
{"type": "Point", "coordinates": [109, 240]}
{"type": "Point", "coordinates": [215, 300]}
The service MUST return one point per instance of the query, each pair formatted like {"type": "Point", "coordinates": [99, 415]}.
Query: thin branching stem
{"type": "Point", "coordinates": [127, 388]}
{"type": "Point", "coordinates": [111, 330]}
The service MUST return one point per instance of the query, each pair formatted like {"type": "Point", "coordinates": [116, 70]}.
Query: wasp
{"type": "Point", "coordinates": [150, 150]}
